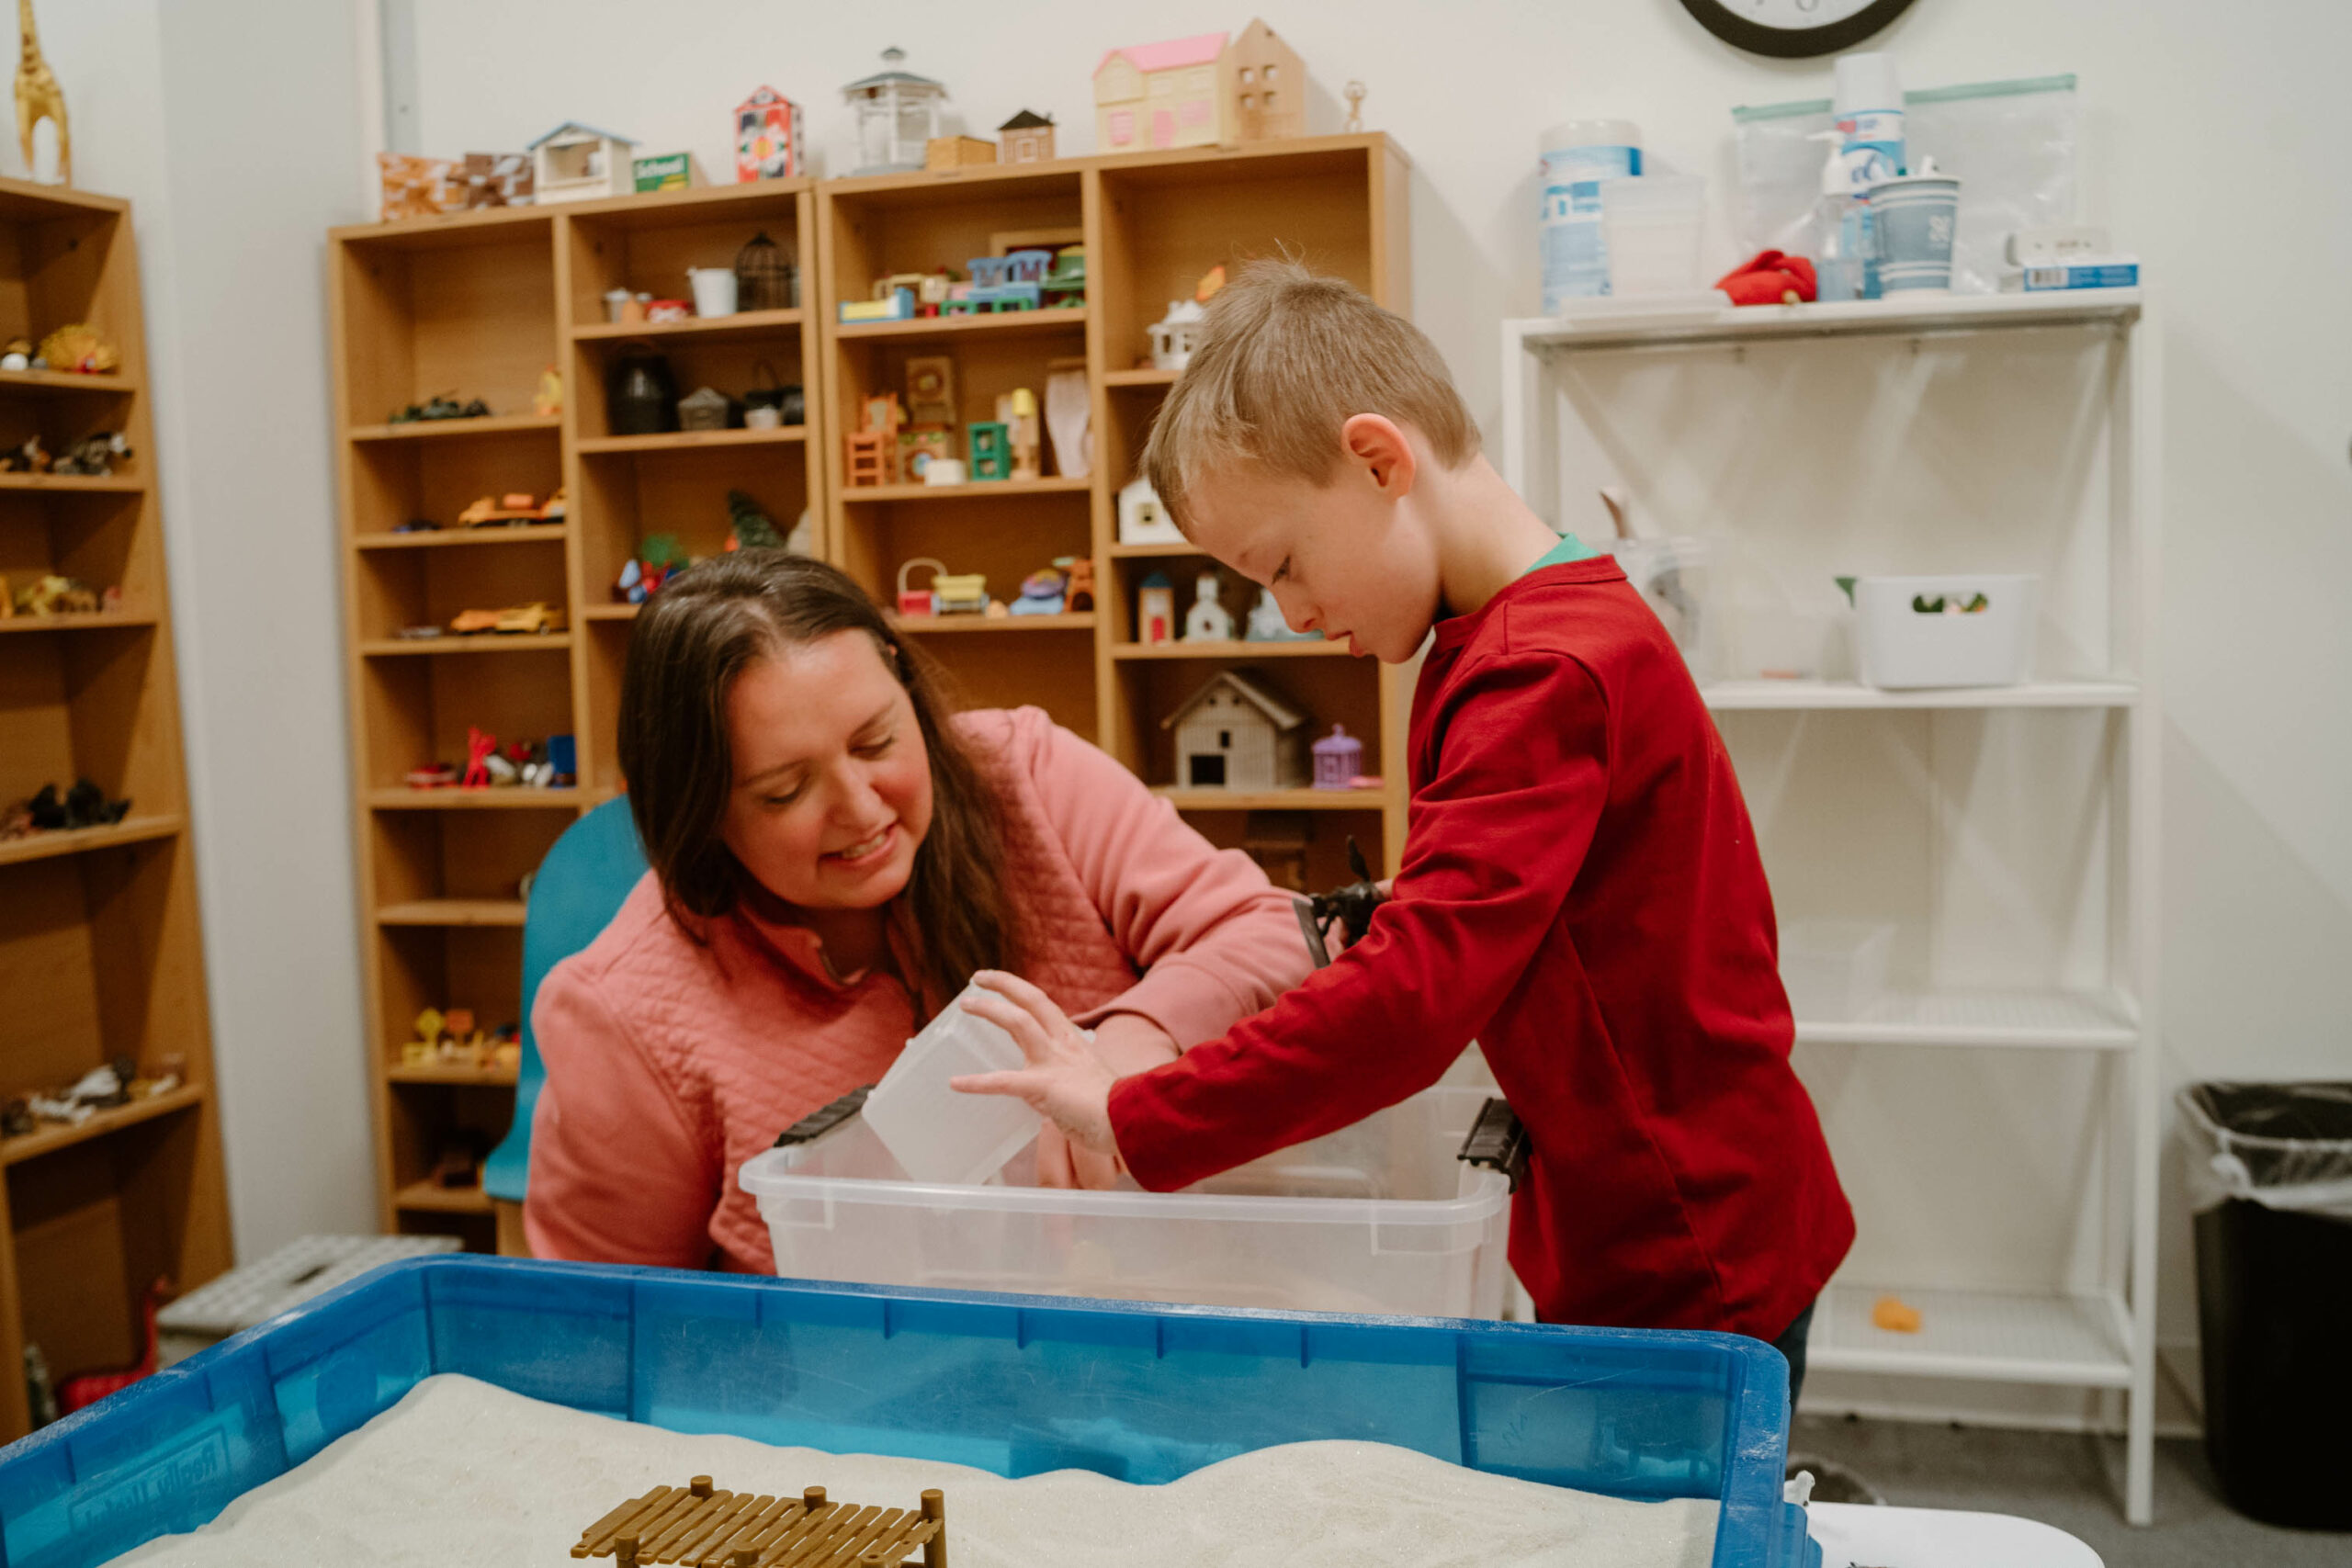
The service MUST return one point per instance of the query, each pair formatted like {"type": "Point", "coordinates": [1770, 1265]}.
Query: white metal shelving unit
{"type": "Point", "coordinates": [2006, 432]}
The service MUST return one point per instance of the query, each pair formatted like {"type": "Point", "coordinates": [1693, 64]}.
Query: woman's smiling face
{"type": "Point", "coordinates": [831, 793]}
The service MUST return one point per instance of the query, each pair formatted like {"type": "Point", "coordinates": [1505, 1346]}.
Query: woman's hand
{"type": "Point", "coordinates": [1065, 1081]}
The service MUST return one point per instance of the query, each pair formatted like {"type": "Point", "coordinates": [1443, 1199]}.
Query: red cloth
{"type": "Point", "coordinates": [1581, 893]}
{"type": "Point", "coordinates": [1768, 278]}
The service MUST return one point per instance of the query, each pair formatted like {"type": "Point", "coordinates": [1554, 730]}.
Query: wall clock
{"type": "Point", "coordinates": [1794, 30]}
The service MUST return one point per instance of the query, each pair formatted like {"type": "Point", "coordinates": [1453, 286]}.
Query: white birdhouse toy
{"type": "Point", "coordinates": [1174, 336]}
{"type": "Point", "coordinates": [1209, 620]}
{"type": "Point", "coordinates": [579, 162]}
{"type": "Point", "coordinates": [897, 114]}
{"type": "Point", "coordinates": [1142, 520]}
{"type": "Point", "coordinates": [1236, 734]}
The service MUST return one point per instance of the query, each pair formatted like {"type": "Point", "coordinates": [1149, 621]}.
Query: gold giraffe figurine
{"type": "Point", "coordinates": [39, 98]}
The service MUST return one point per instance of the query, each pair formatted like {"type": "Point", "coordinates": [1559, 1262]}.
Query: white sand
{"type": "Point", "coordinates": [461, 1473]}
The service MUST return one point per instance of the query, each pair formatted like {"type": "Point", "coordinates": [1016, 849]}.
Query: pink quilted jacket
{"type": "Point", "coordinates": [670, 1063]}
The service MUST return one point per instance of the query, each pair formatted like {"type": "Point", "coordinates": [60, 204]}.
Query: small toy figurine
{"type": "Point", "coordinates": [548, 401]}
{"type": "Point", "coordinates": [467, 622]}
{"type": "Point", "coordinates": [529, 620]}
{"type": "Point", "coordinates": [1155, 610]}
{"type": "Point", "coordinates": [1081, 579]}
{"type": "Point", "coordinates": [17, 354]}
{"type": "Point", "coordinates": [442, 407]}
{"type": "Point", "coordinates": [1356, 107]}
{"type": "Point", "coordinates": [28, 458]}
{"type": "Point", "coordinates": [1208, 621]}
{"type": "Point", "coordinates": [94, 454]}
{"type": "Point", "coordinates": [1017, 412]}
{"type": "Point", "coordinates": [1043, 593]}
{"type": "Point", "coordinates": [480, 744]}
{"type": "Point", "coordinates": [748, 528]}
{"type": "Point", "coordinates": [76, 347]}
{"type": "Point", "coordinates": [54, 595]}
{"type": "Point", "coordinates": [1339, 760]}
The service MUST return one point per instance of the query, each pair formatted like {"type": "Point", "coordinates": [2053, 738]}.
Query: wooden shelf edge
{"type": "Point", "coordinates": [50, 1139]}
{"type": "Point", "coordinates": [514, 798]}
{"type": "Point", "coordinates": [81, 841]}
{"type": "Point", "coordinates": [926, 626]}
{"type": "Point", "coordinates": [1234, 649]}
{"type": "Point", "coordinates": [744, 321]}
{"type": "Point", "coordinates": [1146, 377]}
{"type": "Point", "coordinates": [94, 621]}
{"type": "Point", "coordinates": [445, 429]}
{"type": "Point", "coordinates": [425, 1197]}
{"type": "Point", "coordinates": [457, 1077]}
{"type": "Point", "coordinates": [474, 642]}
{"type": "Point", "coordinates": [117, 484]}
{"type": "Point", "coordinates": [1148, 552]}
{"type": "Point", "coordinates": [456, 535]}
{"type": "Point", "coordinates": [692, 440]}
{"type": "Point", "coordinates": [1055, 485]}
{"type": "Point", "coordinates": [1057, 319]}
{"type": "Point", "coordinates": [452, 912]}
{"type": "Point", "coordinates": [67, 381]}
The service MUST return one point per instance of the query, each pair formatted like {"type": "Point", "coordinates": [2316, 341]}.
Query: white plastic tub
{"type": "Point", "coordinates": [1907, 644]}
{"type": "Point", "coordinates": [1652, 225]}
{"type": "Point", "coordinates": [1379, 1217]}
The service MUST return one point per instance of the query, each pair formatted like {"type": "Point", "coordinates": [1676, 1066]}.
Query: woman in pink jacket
{"type": "Point", "coordinates": [834, 855]}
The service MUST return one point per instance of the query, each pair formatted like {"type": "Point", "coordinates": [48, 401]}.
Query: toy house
{"type": "Point", "coordinates": [1161, 94]}
{"type": "Point", "coordinates": [767, 137]}
{"type": "Point", "coordinates": [898, 116]}
{"type": "Point", "coordinates": [1027, 138]}
{"type": "Point", "coordinates": [1174, 334]}
{"type": "Point", "coordinates": [579, 162]}
{"type": "Point", "coordinates": [1142, 520]}
{"type": "Point", "coordinates": [1265, 85]}
{"type": "Point", "coordinates": [1339, 760]}
{"type": "Point", "coordinates": [1155, 610]}
{"type": "Point", "coordinates": [1235, 734]}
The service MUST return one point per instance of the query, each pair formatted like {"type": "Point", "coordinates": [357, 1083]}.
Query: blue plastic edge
{"type": "Point", "coordinates": [170, 1452]}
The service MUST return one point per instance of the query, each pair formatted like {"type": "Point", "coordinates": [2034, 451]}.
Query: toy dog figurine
{"type": "Point", "coordinates": [95, 454]}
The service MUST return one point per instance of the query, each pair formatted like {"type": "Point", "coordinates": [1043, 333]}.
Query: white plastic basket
{"type": "Point", "coordinates": [1915, 632]}
{"type": "Point", "coordinates": [1379, 1217]}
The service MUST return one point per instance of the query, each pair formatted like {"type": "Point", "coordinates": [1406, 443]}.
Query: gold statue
{"type": "Point", "coordinates": [39, 97]}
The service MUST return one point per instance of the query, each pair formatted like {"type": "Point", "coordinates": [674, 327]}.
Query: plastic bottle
{"type": "Point", "coordinates": [1837, 266]}
{"type": "Point", "coordinates": [1577, 155]}
{"type": "Point", "coordinates": [1868, 106]}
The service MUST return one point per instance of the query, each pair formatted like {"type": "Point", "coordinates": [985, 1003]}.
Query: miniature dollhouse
{"type": "Point", "coordinates": [898, 116]}
{"type": "Point", "coordinates": [1235, 734]}
{"type": "Point", "coordinates": [767, 137]}
{"type": "Point", "coordinates": [1160, 96]}
{"type": "Point", "coordinates": [579, 162]}
{"type": "Point", "coordinates": [1265, 85]}
{"type": "Point", "coordinates": [1200, 91]}
{"type": "Point", "coordinates": [1175, 334]}
{"type": "Point", "coordinates": [1142, 520]}
{"type": "Point", "coordinates": [1027, 138]}
{"type": "Point", "coordinates": [1155, 610]}
{"type": "Point", "coordinates": [1208, 620]}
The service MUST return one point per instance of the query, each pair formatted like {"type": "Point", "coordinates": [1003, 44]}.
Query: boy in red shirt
{"type": "Point", "coordinates": [1579, 889]}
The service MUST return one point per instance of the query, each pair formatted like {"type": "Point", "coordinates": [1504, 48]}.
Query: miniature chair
{"type": "Point", "coordinates": [580, 886]}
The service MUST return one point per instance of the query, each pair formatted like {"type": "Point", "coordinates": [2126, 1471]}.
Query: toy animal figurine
{"type": "Point", "coordinates": [39, 97]}
{"type": "Point", "coordinates": [55, 595]}
{"type": "Point", "coordinates": [94, 454]}
{"type": "Point", "coordinates": [480, 744]}
{"type": "Point", "coordinates": [76, 348]}
{"type": "Point", "coordinates": [29, 458]}
{"type": "Point", "coordinates": [548, 401]}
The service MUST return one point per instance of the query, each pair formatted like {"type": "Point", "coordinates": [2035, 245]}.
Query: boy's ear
{"type": "Point", "coordinates": [1378, 447]}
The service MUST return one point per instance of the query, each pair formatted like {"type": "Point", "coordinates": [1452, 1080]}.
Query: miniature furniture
{"type": "Point", "coordinates": [423, 308]}
{"type": "Point", "coordinates": [579, 162]}
{"type": "Point", "coordinates": [1235, 733]}
{"type": "Point", "coordinates": [580, 886]}
{"type": "Point", "coordinates": [101, 934]}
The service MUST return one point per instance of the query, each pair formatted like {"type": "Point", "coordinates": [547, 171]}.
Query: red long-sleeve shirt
{"type": "Point", "coordinates": [1580, 892]}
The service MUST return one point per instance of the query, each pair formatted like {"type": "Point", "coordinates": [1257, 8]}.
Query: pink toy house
{"type": "Point", "coordinates": [767, 137]}
{"type": "Point", "coordinates": [1161, 94]}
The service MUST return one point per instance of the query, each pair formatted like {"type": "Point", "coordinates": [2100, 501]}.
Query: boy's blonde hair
{"type": "Point", "coordinates": [1283, 361]}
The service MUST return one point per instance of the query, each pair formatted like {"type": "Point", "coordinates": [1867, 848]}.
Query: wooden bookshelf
{"type": "Point", "coordinates": [1153, 223]}
{"type": "Point", "coordinates": [478, 305]}
{"type": "Point", "coordinates": [98, 926]}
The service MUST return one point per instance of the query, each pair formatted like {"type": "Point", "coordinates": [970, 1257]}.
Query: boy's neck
{"type": "Point", "coordinates": [1487, 536]}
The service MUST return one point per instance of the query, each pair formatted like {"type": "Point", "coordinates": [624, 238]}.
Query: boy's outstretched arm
{"type": "Point", "coordinates": [1498, 834]}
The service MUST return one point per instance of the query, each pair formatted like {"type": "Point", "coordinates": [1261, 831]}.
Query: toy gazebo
{"type": "Point", "coordinates": [897, 114]}
{"type": "Point", "coordinates": [1235, 734]}
{"type": "Point", "coordinates": [580, 162]}
{"type": "Point", "coordinates": [1339, 760]}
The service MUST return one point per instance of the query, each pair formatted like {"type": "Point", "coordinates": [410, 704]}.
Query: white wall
{"type": "Point", "coordinates": [2211, 146]}
{"type": "Point", "coordinates": [228, 125]}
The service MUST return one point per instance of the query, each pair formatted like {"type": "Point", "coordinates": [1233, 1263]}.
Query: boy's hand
{"type": "Point", "coordinates": [1065, 1082]}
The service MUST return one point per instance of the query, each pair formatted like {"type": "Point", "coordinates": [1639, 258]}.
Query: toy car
{"type": "Point", "coordinates": [529, 620]}
{"type": "Point", "coordinates": [514, 507]}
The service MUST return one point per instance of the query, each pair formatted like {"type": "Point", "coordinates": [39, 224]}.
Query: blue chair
{"type": "Point", "coordinates": [579, 888]}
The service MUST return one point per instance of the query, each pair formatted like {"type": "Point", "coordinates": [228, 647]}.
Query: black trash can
{"type": "Point", "coordinates": [2270, 1176]}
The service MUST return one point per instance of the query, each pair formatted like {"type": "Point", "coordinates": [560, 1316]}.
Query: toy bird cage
{"type": "Point", "coordinates": [763, 278]}
{"type": "Point", "coordinates": [897, 114]}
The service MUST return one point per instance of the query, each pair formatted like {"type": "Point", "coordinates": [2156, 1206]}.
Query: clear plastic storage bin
{"type": "Point", "coordinates": [1379, 1217]}
{"type": "Point", "coordinates": [1835, 970]}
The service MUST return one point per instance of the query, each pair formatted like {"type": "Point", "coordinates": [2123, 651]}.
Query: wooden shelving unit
{"type": "Point", "coordinates": [478, 305]}
{"type": "Point", "coordinates": [98, 928]}
{"type": "Point", "coordinates": [1153, 223]}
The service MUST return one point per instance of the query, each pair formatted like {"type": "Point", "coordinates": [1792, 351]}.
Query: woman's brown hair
{"type": "Point", "coordinates": [708, 625]}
